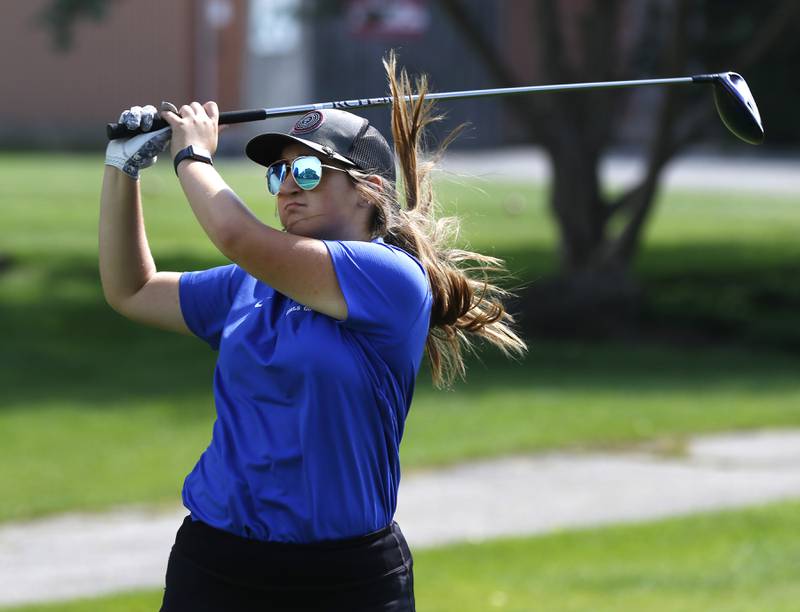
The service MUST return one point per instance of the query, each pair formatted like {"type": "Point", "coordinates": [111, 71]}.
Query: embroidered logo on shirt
{"type": "Point", "coordinates": [297, 308]}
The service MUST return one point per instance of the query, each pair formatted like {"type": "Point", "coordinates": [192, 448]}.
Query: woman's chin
{"type": "Point", "coordinates": [298, 229]}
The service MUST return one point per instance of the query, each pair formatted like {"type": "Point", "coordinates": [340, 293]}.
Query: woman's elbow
{"type": "Point", "coordinates": [117, 296]}
{"type": "Point", "coordinates": [226, 237]}
{"type": "Point", "coordinates": [234, 241]}
{"type": "Point", "coordinates": [115, 301]}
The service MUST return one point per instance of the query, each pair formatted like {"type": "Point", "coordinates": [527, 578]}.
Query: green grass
{"type": "Point", "coordinates": [572, 396]}
{"type": "Point", "coordinates": [736, 561]}
{"type": "Point", "coordinates": [127, 602]}
{"type": "Point", "coordinates": [733, 561]}
{"type": "Point", "coordinates": [96, 411]}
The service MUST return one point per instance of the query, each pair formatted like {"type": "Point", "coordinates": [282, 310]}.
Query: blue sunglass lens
{"type": "Point", "coordinates": [276, 173]}
{"type": "Point", "coordinates": [307, 172]}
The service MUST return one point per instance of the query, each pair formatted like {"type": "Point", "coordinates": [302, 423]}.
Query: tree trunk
{"type": "Point", "coordinates": [593, 294]}
{"type": "Point", "coordinates": [575, 201]}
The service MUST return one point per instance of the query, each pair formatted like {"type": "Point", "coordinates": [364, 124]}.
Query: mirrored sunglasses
{"type": "Point", "coordinates": [306, 172]}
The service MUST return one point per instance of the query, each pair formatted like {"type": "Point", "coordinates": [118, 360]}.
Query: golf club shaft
{"type": "Point", "coordinates": [116, 130]}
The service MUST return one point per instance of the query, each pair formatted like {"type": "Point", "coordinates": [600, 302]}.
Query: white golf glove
{"type": "Point", "coordinates": [133, 154]}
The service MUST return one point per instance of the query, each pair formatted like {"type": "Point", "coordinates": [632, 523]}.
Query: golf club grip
{"type": "Point", "coordinates": [118, 130]}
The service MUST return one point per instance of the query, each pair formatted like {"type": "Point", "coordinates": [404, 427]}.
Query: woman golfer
{"type": "Point", "coordinates": [320, 330]}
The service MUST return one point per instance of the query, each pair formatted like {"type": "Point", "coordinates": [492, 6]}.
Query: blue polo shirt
{"type": "Point", "coordinates": [310, 410]}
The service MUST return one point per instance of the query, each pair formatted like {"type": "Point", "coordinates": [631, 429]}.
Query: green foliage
{"type": "Point", "coordinates": [61, 16]}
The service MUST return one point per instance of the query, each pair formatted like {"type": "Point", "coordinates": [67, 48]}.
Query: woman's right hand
{"type": "Point", "coordinates": [141, 151]}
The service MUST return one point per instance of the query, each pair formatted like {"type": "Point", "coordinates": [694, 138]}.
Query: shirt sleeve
{"type": "Point", "coordinates": [206, 298]}
{"type": "Point", "coordinates": [386, 290]}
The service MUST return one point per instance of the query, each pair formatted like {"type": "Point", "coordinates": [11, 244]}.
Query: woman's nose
{"type": "Point", "coordinates": [289, 185]}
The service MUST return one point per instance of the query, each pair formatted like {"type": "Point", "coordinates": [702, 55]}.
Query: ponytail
{"type": "Point", "coordinates": [466, 303]}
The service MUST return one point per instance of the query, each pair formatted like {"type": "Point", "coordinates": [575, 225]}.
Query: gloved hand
{"type": "Point", "coordinates": [133, 154]}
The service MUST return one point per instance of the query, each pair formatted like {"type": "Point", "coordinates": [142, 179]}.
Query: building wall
{"type": "Point", "coordinates": [348, 65]}
{"type": "Point", "coordinates": [144, 51]}
{"type": "Point", "coordinates": [278, 66]}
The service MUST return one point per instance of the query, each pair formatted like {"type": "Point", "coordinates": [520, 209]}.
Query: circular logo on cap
{"type": "Point", "coordinates": [308, 122]}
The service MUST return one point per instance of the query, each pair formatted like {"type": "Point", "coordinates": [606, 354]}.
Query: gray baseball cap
{"type": "Point", "coordinates": [336, 134]}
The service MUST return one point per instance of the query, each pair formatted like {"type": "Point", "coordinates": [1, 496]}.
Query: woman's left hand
{"type": "Point", "coordinates": [194, 124]}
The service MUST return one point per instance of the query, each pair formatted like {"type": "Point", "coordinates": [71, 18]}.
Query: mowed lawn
{"type": "Point", "coordinates": [96, 411]}
{"type": "Point", "coordinates": [742, 561]}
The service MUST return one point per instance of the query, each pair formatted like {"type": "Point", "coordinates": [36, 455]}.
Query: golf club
{"type": "Point", "coordinates": [735, 104]}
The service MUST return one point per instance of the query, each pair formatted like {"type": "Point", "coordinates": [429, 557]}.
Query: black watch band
{"type": "Point", "coordinates": [190, 153]}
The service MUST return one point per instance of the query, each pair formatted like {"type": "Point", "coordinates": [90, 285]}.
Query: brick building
{"type": "Point", "coordinates": [246, 54]}
{"type": "Point", "coordinates": [143, 51]}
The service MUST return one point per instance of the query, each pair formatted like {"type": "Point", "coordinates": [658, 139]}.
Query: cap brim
{"type": "Point", "coordinates": [266, 148]}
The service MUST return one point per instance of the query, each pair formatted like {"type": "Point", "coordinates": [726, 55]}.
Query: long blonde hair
{"type": "Point", "coordinates": [466, 304]}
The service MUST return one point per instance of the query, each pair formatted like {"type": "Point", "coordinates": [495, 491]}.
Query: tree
{"type": "Point", "coordinates": [581, 41]}
{"type": "Point", "coordinates": [60, 17]}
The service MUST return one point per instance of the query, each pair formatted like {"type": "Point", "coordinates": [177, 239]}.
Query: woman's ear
{"type": "Point", "coordinates": [377, 182]}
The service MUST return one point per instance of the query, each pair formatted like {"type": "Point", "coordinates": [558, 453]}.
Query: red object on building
{"type": "Point", "coordinates": [388, 18]}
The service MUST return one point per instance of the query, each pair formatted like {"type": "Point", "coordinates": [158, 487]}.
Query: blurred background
{"type": "Point", "coordinates": [654, 260]}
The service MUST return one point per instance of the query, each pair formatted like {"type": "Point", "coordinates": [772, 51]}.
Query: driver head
{"type": "Point", "coordinates": [737, 107]}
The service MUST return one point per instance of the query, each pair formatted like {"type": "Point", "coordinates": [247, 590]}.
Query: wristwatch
{"type": "Point", "coordinates": [191, 153]}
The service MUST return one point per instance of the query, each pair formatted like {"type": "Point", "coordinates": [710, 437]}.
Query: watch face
{"type": "Point", "coordinates": [201, 154]}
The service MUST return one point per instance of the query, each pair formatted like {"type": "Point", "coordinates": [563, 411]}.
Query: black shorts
{"type": "Point", "coordinates": [211, 570]}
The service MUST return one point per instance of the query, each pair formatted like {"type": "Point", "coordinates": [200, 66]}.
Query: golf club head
{"type": "Point", "coordinates": [737, 107]}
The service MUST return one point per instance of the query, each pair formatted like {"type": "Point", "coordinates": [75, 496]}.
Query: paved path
{"type": "Point", "coordinates": [755, 172]}
{"type": "Point", "coordinates": [86, 555]}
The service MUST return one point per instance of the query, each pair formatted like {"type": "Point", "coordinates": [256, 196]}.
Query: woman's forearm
{"type": "Point", "coordinates": [126, 263]}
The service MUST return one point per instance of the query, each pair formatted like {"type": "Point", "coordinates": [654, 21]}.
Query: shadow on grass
{"type": "Point", "coordinates": [61, 341]}
{"type": "Point", "coordinates": [692, 295]}
{"type": "Point", "coordinates": [748, 296]}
